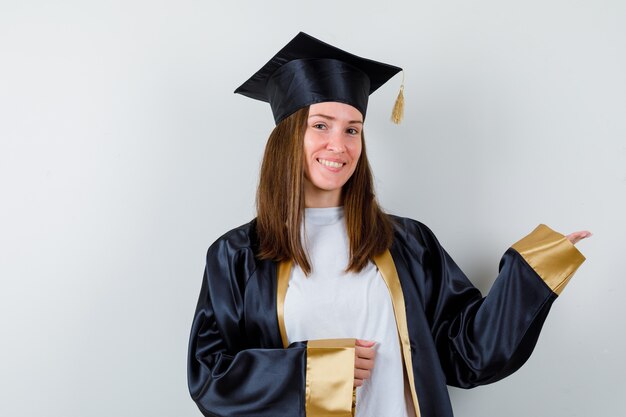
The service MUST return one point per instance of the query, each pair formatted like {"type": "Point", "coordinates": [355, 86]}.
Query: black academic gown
{"type": "Point", "coordinates": [240, 364]}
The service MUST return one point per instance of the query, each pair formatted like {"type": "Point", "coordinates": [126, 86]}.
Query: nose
{"type": "Point", "coordinates": [336, 143]}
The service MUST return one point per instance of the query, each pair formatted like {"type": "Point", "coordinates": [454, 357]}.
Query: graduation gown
{"type": "Point", "coordinates": [240, 364]}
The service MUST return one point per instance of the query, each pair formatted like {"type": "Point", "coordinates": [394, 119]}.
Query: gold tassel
{"type": "Point", "coordinates": [397, 114]}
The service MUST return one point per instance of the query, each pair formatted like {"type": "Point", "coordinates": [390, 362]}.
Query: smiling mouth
{"type": "Point", "coordinates": [330, 164]}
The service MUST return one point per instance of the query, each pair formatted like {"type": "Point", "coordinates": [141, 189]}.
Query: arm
{"type": "Point", "coordinates": [484, 339]}
{"type": "Point", "coordinates": [227, 377]}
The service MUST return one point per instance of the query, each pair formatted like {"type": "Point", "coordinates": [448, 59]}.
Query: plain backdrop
{"type": "Point", "coordinates": [124, 154]}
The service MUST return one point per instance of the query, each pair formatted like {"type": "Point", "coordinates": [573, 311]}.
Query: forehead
{"type": "Point", "coordinates": [336, 110]}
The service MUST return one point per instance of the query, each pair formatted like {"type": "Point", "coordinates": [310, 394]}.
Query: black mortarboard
{"type": "Point", "coordinates": [308, 71]}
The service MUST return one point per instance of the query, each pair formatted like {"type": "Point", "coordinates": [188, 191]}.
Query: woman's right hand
{"type": "Point", "coordinates": [578, 236]}
{"type": "Point", "coordinates": [363, 361]}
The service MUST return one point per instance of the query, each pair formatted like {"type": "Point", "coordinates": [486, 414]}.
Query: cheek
{"type": "Point", "coordinates": [355, 154]}
{"type": "Point", "coordinates": [307, 168]}
{"type": "Point", "coordinates": [311, 144]}
{"type": "Point", "coordinates": [309, 165]}
{"type": "Point", "coordinates": [355, 151]}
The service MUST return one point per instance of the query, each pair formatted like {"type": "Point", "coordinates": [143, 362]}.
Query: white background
{"type": "Point", "coordinates": [124, 154]}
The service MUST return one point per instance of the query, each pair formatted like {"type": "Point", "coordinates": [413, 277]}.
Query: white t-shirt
{"type": "Point", "coordinates": [331, 303]}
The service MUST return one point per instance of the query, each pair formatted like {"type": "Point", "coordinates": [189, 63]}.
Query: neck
{"type": "Point", "coordinates": [317, 198]}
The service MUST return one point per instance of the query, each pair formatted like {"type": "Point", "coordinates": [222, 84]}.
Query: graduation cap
{"type": "Point", "coordinates": [308, 71]}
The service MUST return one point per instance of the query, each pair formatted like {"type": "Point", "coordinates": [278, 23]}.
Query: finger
{"type": "Point", "coordinates": [362, 374]}
{"type": "Point", "coordinates": [583, 233]}
{"type": "Point", "coordinates": [576, 237]}
{"type": "Point", "coordinates": [358, 382]}
{"type": "Point", "coordinates": [365, 343]}
{"type": "Point", "coordinates": [573, 238]}
{"type": "Point", "coordinates": [366, 353]}
{"type": "Point", "coordinates": [364, 363]}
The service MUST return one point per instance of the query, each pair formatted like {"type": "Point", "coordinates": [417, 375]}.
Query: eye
{"type": "Point", "coordinates": [320, 126]}
{"type": "Point", "coordinates": [352, 131]}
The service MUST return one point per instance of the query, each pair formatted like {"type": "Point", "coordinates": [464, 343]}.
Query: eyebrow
{"type": "Point", "coordinates": [334, 118]}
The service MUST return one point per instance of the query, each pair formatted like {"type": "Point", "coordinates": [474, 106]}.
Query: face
{"type": "Point", "coordinates": [332, 146]}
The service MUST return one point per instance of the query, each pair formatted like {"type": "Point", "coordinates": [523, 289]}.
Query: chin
{"type": "Point", "coordinates": [329, 185]}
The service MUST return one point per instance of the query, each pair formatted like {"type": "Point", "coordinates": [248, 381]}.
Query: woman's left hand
{"type": "Point", "coordinates": [578, 236]}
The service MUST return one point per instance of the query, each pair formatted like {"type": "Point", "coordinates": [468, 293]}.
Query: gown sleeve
{"type": "Point", "coordinates": [479, 339]}
{"type": "Point", "coordinates": [229, 376]}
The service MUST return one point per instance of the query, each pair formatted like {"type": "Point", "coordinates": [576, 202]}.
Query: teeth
{"type": "Point", "coordinates": [330, 163]}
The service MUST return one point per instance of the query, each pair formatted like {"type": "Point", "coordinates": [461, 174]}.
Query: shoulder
{"type": "Point", "coordinates": [232, 246]}
{"type": "Point", "coordinates": [412, 233]}
{"type": "Point", "coordinates": [405, 227]}
{"type": "Point", "coordinates": [231, 261]}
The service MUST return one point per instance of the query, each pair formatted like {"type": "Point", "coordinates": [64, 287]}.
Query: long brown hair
{"type": "Point", "coordinates": [280, 201]}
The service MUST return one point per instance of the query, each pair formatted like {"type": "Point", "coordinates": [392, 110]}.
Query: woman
{"type": "Point", "coordinates": [323, 293]}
